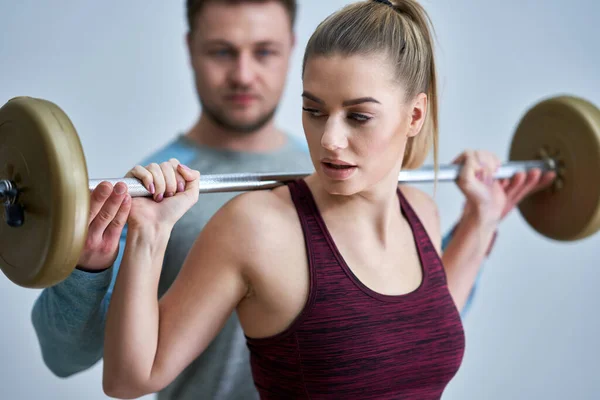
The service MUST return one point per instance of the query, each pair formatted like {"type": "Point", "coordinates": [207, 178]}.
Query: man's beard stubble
{"type": "Point", "coordinates": [222, 121]}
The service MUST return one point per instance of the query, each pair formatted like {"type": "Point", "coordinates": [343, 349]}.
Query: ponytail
{"type": "Point", "coordinates": [402, 30]}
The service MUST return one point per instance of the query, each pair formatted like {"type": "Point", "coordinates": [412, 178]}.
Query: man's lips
{"type": "Point", "coordinates": [241, 98]}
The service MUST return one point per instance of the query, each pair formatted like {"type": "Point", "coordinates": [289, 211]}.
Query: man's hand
{"type": "Point", "coordinates": [489, 199]}
{"type": "Point", "coordinates": [523, 184]}
{"type": "Point", "coordinates": [109, 209]}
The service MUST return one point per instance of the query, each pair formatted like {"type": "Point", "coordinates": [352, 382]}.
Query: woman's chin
{"type": "Point", "coordinates": [346, 187]}
{"type": "Point", "coordinates": [355, 184]}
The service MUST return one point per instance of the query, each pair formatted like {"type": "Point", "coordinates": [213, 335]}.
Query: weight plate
{"type": "Point", "coordinates": [41, 153]}
{"type": "Point", "coordinates": [566, 128]}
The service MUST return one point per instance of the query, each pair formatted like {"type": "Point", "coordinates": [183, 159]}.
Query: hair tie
{"type": "Point", "coordinates": [386, 2]}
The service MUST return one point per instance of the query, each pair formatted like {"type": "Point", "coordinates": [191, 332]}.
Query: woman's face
{"type": "Point", "coordinates": [357, 121]}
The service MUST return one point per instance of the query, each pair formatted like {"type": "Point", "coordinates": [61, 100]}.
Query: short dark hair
{"type": "Point", "coordinates": [193, 7]}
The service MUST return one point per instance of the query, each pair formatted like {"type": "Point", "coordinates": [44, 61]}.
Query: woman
{"type": "Point", "coordinates": [336, 278]}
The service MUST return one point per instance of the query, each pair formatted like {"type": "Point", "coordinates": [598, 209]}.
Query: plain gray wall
{"type": "Point", "coordinates": [119, 69]}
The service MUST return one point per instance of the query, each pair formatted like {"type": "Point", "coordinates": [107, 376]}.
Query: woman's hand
{"type": "Point", "coordinates": [485, 197]}
{"type": "Point", "coordinates": [174, 188]}
{"type": "Point", "coordinates": [491, 199]}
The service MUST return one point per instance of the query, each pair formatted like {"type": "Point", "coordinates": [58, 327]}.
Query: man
{"type": "Point", "coordinates": [239, 52]}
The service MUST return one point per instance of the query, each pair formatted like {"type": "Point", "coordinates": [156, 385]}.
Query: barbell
{"type": "Point", "coordinates": [45, 189]}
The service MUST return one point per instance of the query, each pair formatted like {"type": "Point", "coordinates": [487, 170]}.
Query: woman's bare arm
{"type": "Point", "coordinates": [149, 342]}
{"type": "Point", "coordinates": [465, 253]}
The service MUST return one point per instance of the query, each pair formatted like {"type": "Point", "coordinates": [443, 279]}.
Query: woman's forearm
{"type": "Point", "coordinates": [465, 253]}
{"type": "Point", "coordinates": [132, 324]}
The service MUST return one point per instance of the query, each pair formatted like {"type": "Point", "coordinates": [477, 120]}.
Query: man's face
{"type": "Point", "coordinates": [240, 55]}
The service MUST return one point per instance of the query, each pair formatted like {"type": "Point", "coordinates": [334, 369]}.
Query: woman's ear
{"type": "Point", "coordinates": [418, 113]}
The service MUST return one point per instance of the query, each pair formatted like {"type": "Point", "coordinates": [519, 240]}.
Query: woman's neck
{"type": "Point", "coordinates": [375, 208]}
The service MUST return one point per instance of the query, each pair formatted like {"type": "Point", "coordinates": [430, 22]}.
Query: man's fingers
{"type": "Point", "coordinates": [514, 184]}
{"type": "Point", "coordinates": [98, 197]}
{"type": "Point", "coordinates": [113, 231]}
{"type": "Point", "coordinates": [106, 214]}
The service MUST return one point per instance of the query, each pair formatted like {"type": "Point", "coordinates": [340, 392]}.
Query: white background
{"type": "Point", "coordinates": [119, 69]}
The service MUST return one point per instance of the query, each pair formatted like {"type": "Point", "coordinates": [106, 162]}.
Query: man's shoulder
{"type": "Point", "coordinates": [177, 147]}
{"type": "Point", "coordinates": [293, 156]}
{"type": "Point", "coordinates": [297, 143]}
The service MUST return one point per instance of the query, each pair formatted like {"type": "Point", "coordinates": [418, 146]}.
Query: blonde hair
{"type": "Point", "coordinates": [402, 32]}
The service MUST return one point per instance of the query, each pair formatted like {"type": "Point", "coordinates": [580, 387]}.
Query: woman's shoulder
{"type": "Point", "coordinates": [418, 199]}
{"type": "Point", "coordinates": [255, 216]}
{"type": "Point", "coordinates": [259, 206]}
{"type": "Point", "coordinates": [426, 209]}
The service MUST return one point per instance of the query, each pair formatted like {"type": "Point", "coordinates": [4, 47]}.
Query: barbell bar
{"type": "Point", "coordinates": [45, 188]}
{"type": "Point", "coordinates": [241, 182]}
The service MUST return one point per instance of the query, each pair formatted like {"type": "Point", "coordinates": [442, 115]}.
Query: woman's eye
{"type": "Point", "coordinates": [359, 117]}
{"type": "Point", "coordinates": [355, 117]}
{"type": "Point", "coordinates": [312, 111]}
